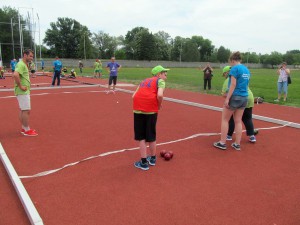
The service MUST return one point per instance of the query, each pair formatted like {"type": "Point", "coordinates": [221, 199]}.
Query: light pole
{"type": "Point", "coordinates": [248, 55]}
{"type": "Point", "coordinates": [39, 36]}
{"type": "Point", "coordinates": [84, 46]}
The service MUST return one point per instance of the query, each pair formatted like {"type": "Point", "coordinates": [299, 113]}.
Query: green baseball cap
{"type": "Point", "coordinates": [158, 69]}
{"type": "Point", "coordinates": [226, 69]}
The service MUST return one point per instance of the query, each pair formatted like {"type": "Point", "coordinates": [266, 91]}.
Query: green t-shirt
{"type": "Point", "coordinates": [22, 69]}
{"type": "Point", "coordinates": [250, 102]}
{"type": "Point", "coordinates": [98, 66]}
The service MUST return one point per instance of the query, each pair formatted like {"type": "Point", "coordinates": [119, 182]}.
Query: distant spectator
{"type": "Point", "coordinates": [282, 83]}
{"type": "Point", "coordinates": [73, 74]}
{"type": "Point", "coordinates": [13, 64]}
{"type": "Point", "coordinates": [113, 68]}
{"type": "Point", "coordinates": [80, 65]}
{"type": "Point", "coordinates": [207, 76]}
{"type": "Point", "coordinates": [2, 73]}
{"type": "Point", "coordinates": [42, 64]}
{"type": "Point", "coordinates": [57, 66]}
{"type": "Point", "coordinates": [32, 69]}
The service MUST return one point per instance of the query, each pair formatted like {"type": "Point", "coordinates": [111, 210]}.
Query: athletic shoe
{"type": "Point", "coordinates": [252, 139]}
{"type": "Point", "coordinates": [31, 133]}
{"type": "Point", "coordinates": [229, 138]}
{"type": "Point", "coordinates": [142, 166]}
{"type": "Point", "coordinates": [220, 145]}
{"type": "Point", "coordinates": [236, 146]}
{"type": "Point", "coordinates": [255, 131]}
{"type": "Point", "coordinates": [276, 100]}
{"type": "Point", "coordinates": [151, 161]}
{"type": "Point", "coordinates": [23, 131]}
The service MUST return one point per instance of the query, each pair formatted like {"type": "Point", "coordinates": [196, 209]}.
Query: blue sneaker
{"type": "Point", "coordinates": [220, 145]}
{"type": "Point", "coordinates": [252, 139]}
{"type": "Point", "coordinates": [236, 146]}
{"type": "Point", "coordinates": [151, 161]}
{"type": "Point", "coordinates": [142, 166]}
{"type": "Point", "coordinates": [229, 138]}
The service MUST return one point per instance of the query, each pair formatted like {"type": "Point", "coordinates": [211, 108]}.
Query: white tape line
{"type": "Point", "coordinates": [127, 149]}
{"type": "Point", "coordinates": [30, 209]}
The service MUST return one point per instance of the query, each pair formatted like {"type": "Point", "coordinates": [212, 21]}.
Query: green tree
{"type": "Point", "coordinates": [190, 52]}
{"type": "Point", "coordinates": [163, 45]}
{"type": "Point", "coordinates": [105, 44]}
{"type": "Point", "coordinates": [146, 47]}
{"type": "Point", "coordinates": [65, 38]}
{"type": "Point", "coordinates": [130, 42]}
{"type": "Point", "coordinates": [177, 46]}
{"type": "Point", "coordinates": [10, 34]}
{"type": "Point", "coordinates": [274, 59]}
{"type": "Point", "coordinates": [223, 54]}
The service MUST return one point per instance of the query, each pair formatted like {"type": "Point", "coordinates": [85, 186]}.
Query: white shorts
{"type": "Point", "coordinates": [24, 102]}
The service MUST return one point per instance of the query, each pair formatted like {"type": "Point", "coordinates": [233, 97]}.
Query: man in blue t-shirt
{"type": "Point", "coordinates": [57, 66]}
{"type": "Point", "coordinates": [13, 64]}
{"type": "Point", "coordinates": [113, 68]}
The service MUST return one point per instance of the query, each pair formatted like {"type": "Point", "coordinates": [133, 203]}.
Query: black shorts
{"type": "Point", "coordinates": [145, 127]}
{"type": "Point", "coordinates": [112, 79]}
{"type": "Point", "coordinates": [32, 71]}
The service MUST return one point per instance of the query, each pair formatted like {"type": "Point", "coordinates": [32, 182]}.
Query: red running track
{"type": "Point", "coordinates": [200, 185]}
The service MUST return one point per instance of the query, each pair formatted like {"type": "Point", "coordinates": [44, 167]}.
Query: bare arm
{"type": "Point", "coordinates": [16, 77]}
{"type": "Point", "coordinates": [231, 89]}
{"type": "Point", "coordinates": [160, 96]}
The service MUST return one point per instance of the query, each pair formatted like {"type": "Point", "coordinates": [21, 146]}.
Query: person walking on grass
{"type": "Point", "coordinates": [147, 101]}
{"type": "Point", "coordinates": [282, 83]}
{"type": "Point", "coordinates": [57, 66]}
{"type": "Point", "coordinates": [247, 115]}
{"type": "Point", "coordinates": [235, 101]}
{"type": "Point", "coordinates": [22, 91]}
{"type": "Point", "coordinates": [113, 69]}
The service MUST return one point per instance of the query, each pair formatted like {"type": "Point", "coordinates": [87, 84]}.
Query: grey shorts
{"type": "Point", "coordinates": [238, 102]}
{"type": "Point", "coordinates": [24, 102]}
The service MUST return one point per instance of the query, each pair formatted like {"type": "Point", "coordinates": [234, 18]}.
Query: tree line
{"type": "Point", "coordinates": [67, 38]}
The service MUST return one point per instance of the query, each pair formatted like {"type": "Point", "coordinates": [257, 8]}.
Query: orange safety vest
{"type": "Point", "coordinates": [145, 99]}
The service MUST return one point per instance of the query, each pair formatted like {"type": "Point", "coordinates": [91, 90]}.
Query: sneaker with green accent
{"type": "Point", "coordinates": [142, 166]}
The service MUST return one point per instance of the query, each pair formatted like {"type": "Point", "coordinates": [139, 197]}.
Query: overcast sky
{"type": "Point", "coordinates": [260, 26]}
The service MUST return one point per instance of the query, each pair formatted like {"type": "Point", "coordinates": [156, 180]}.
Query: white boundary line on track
{"type": "Point", "coordinates": [30, 209]}
{"type": "Point", "coordinates": [48, 172]}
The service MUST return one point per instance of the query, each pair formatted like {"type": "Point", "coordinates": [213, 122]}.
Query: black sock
{"type": "Point", "coordinates": [144, 160]}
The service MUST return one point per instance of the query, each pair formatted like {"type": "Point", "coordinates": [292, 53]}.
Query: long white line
{"type": "Point", "coordinates": [30, 209]}
{"type": "Point", "coordinates": [48, 172]}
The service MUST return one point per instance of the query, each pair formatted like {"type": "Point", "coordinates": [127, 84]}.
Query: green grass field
{"type": "Point", "coordinates": [263, 82]}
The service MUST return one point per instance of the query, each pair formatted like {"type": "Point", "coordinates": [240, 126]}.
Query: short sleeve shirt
{"type": "Point", "coordinates": [242, 76]}
{"type": "Point", "coordinates": [113, 67]}
{"type": "Point", "coordinates": [22, 69]}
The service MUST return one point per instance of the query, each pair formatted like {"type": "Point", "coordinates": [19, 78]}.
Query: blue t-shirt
{"type": "Point", "coordinates": [13, 64]}
{"type": "Point", "coordinates": [242, 76]}
{"type": "Point", "coordinates": [113, 68]}
{"type": "Point", "coordinates": [57, 65]}
{"type": "Point", "coordinates": [42, 63]}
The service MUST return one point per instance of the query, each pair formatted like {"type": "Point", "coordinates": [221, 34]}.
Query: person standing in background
{"type": "Point", "coordinates": [13, 64]}
{"type": "Point", "coordinates": [282, 83]}
{"type": "Point", "coordinates": [22, 92]}
{"type": "Point", "coordinates": [80, 65]}
{"type": "Point", "coordinates": [207, 76]}
{"type": "Point", "coordinates": [113, 69]}
{"type": "Point", "coordinates": [43, 65]}
{"type": "Point", "coordinates": [57, 66]}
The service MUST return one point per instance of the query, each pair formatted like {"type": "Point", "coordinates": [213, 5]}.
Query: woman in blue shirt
{"type": "Point", "coordinates": [235, 101]}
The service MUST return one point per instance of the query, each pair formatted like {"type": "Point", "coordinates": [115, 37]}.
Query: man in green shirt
{"type": "Point", "coordinates": [22, 91]}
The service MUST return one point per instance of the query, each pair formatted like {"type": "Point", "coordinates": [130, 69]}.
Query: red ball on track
{"type": "Point", "coordinates": [167, 156]}
{"type": "Point", "coordinates": [162, 153]}
{"type": "Point", "coordinates": [171, 153]}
